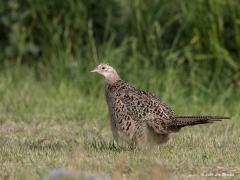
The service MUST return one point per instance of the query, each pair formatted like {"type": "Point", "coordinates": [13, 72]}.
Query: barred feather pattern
{"type": "Point", "coordinates": [182, 121]}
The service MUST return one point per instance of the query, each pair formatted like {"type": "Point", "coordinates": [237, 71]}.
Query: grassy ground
{"type": "Point", "coordinates": [46, 125]}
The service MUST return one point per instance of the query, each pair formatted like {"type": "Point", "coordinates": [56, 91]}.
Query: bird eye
{"type": "Point", "coordinates": [103, 68]}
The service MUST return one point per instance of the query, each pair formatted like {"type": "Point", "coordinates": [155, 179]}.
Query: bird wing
{"type": "Point", "coordinates": [144, 106]}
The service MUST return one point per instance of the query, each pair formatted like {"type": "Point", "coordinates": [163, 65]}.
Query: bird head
{"type": "Point", "coordinates": [108, 72]}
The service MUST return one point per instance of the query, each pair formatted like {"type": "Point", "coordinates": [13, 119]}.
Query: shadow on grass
{"type": "Point", "coordinates": [102, 145]}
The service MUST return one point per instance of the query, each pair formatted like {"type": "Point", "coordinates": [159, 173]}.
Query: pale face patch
{"type": "Point", "coordinates": [109, 73]}
{"type": "Point", "coordinates": [105, 70]}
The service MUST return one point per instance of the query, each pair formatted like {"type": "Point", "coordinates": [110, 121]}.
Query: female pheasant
{"type": "Point", "coordinates": [139, 117]}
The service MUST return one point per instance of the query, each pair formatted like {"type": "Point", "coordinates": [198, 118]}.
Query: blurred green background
{"type": "Point", "coordinates": [169, 47]}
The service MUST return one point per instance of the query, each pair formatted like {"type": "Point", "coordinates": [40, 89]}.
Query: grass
{"type": "Point", "coordinates": [46, 125]}
{"type": "Point", "coordinates": [30, 149]}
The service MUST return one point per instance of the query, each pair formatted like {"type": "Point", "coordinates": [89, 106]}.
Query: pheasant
{"type": "Point", "coordinates": [139, 117]}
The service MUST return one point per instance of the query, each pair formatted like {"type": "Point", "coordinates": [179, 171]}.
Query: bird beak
{"type": "Point", "coordinates": [95, 70]}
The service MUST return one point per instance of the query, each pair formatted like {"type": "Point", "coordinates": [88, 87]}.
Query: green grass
{"type": "Point", "coordinates": [46, 124]}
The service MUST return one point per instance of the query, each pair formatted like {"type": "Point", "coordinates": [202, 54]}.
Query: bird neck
{"type": "Point", "coordinates": [111, 79]}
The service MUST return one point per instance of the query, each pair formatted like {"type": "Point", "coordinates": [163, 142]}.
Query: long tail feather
{"type": "Point", "coordinates": [182, 121]}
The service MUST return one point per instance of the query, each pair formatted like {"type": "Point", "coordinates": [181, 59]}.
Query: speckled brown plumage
{"type": "Point", "coordinates": [137, 116]}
